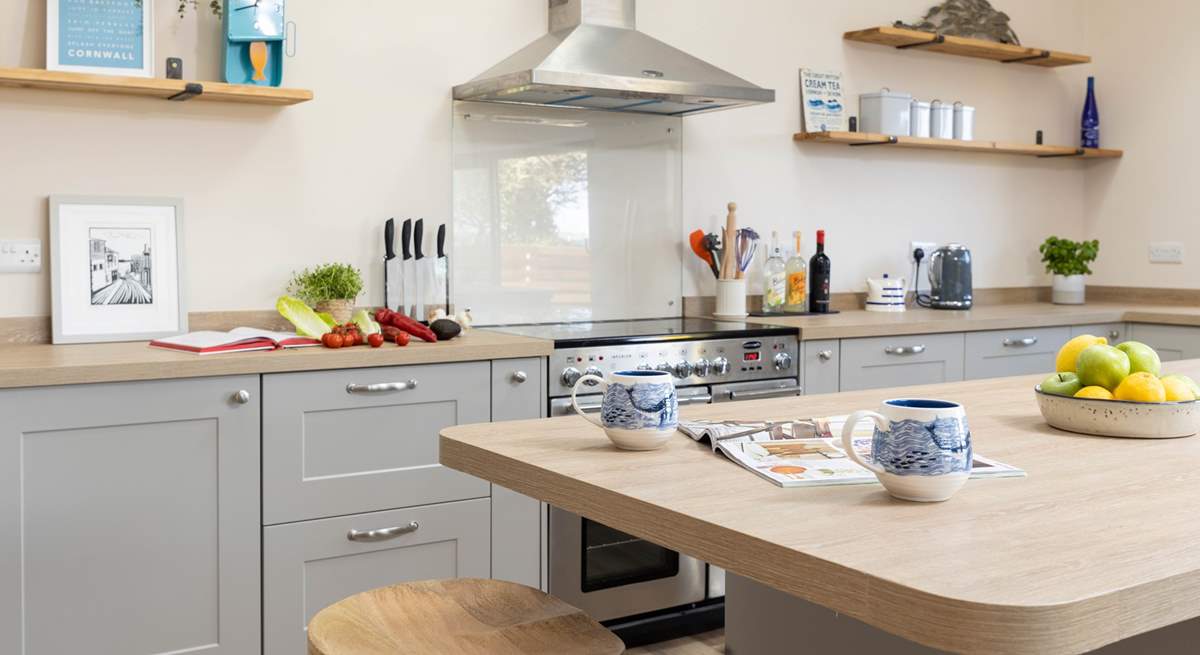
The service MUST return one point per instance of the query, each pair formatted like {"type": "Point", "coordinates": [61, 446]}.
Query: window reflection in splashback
{"type": "Point", "coordinates": [565, 215]}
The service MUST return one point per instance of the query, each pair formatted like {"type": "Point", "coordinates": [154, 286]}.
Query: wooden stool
{"type": "Point", "coordinates": [465, 615]}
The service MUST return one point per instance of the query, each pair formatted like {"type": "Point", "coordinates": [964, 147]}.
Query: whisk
{"type": "Point", "coordinates": [746, 244]}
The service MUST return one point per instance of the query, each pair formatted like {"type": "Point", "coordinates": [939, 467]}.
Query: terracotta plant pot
{"type": "Point", "coordinates": [340, 310]}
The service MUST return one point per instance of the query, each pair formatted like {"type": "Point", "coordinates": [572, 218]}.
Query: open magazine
{"type": "Point", "coordinates": [806, 452]}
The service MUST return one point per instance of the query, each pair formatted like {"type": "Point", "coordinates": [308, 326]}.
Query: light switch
{"type": "Point", "coordinates": [1166, 252]}
{"type": "Point", "coordinates": [21, 256]}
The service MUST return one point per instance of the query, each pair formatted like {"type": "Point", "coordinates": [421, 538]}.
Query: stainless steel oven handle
{"type": "Point", "coordinates": [381, 387]}
{"type": "Point", "coordinates": [696, 400]}
{"type": "Point", "coordinates": [1013, 343]}
{"type": "Point", "coordinates": [905, 350]}
{"type": "Point", "coordinates": [589, 407]}
{"type": "Point", "coordinates": [767, 393]}
{"type": "Point", "coordinates": [382, 534]}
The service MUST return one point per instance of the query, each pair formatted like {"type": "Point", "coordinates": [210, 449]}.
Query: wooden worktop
{"type": "Point", "coordinates": [26, 365]}
{"type": "Point", "coordinates": [861, 323]}
{"type": "Point", "coordinates": [1097, 544]}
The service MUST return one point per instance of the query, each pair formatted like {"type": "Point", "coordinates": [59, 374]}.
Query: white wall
{"type": "Point", "coordinates": [1148, 91]}
{"type": "Point", "coordinates": [272, 190]}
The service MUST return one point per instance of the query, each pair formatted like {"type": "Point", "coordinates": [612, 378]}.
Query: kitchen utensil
{"type": "Point", "coordinates": [442, 266]}
{"type": "Point", "coordinates": [391, 267]}
{"type": "Point", "coordinates": [712, 243]}
{"type": "Point", "coordinates": [885, 112]}
{"type": "Point", "coordinates": [1119, 418]}
{"type": "Point", "coordinates": [964, 122]}
{"type": "Point", "coordinates": [640, 408]}
{"type": "Point", "coordinates": [918, 119]}
{"type": "Point", "coordinates": [950, 277]}
{"type": "Point", "coordinates": [921, 450]}
{"type": "Point", "coordinates": [696, 239]}
{"type": "Point", "coordinates": [731, 299]}
{"type": "Point", "coordinates": [419, 265]}
{"type": "Point", "coordinates": [941, 120]}
{"type": "Point", "coordinates": [747, 244]}
{"type": "Point", "coordinates": [406, 265]}
{"type": "Point", "coordinates": [885, 294]}
{"type": "Point", "coordinates": [728, 261]}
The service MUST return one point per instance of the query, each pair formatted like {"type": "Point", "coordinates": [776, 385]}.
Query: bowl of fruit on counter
{"type": "Point", "coordinates": [1117, 391]}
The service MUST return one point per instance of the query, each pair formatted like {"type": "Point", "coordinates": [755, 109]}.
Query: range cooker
{"type": "Point", "coordinates": [607, 573]}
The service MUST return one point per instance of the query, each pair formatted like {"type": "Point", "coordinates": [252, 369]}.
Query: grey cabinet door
{"type": "Point", "coordinates": [328, 451]}
{"type": "Point", "coordinates": [881, 362]}
{"type": "Point", "coordinates": [310, 565]}
{"type": "Point", "coordinates": [820, 368]}
{"type": "Point", "coordinates": [129, 518]}
{"type": "Point", "coordinates": [1000, 353]}
{"type": "Point", "coordinates": [518, 521]}
{"type": "Point", "coordinates": [1114, 332]}
{"type": "Point", "coordinates": [1173, 342]}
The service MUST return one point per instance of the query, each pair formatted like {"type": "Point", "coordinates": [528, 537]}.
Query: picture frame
{"type": "Point", "coordinates": [102, 37]}
{"type": "Point", "coordinates": [116, 268]}
{"type": "Point", "coordinates": [822, 101]}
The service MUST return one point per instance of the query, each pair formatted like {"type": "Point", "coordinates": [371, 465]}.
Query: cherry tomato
{"type": "Point", "coordinates": [376, 340]}
{"type": "Point", "coordinates": [401, 338]}
{"type": "Point", "coordinates": [332, 340]}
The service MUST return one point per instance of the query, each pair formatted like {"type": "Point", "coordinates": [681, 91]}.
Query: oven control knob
{"type": "Point", "coordinates": [644, 367]}
{"type": "Point", "coordinates": [783, 361]}
{"type": "Point", "coordinates": [664, 367]}
{"type": "Point", "coordinates": [682, 370]}
{"type": "Point", "coordinates": [592, 370]}
{"type": "Point", "coordinates": [701, 367]}
{"type": "Point", "coordinates": [570, 376]}
{"type": "Point", "coordinates": [720, 366]}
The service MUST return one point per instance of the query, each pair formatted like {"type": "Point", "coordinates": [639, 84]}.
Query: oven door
{"type": "Point", "coordinates": [591, 402]}
{"type": "Point", "coordinates": [610, 574]}
{"type": "Point", "coordinates": [780, 388]}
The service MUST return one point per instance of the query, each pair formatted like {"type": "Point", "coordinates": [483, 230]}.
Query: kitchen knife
{"type": "Point", "coordinates": [419, 265]}
{"type": "Point", "coordinates": [441, 271]}
{"type": "Point", "coordinates": [391, 266]}
{"type": "Point", "coordinates": [406, 293]}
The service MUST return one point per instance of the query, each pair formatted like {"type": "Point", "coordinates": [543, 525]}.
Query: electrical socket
{"type": "Point", "coordinates": [927, 246]}
{"type": "Point", "coordinates": [1166, 252]}
{"type": "Point", "coordinates": [21, 256]}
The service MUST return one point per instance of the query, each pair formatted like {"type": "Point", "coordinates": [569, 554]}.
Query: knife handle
{"type": "Point", "coordinates": [441, 241]}
{"type": "Point", "coordinates": [418, 238]}
{"type": "Point", "coordinates": [389, 239]}
{"type": "Point", "coordinates": [406, 238]}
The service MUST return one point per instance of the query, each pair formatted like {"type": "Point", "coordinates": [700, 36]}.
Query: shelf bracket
{"type": "Point", "coordinates": [891, 140]}
{"type": "Point", "coordinates": [1045, 54]}
{"type": "Point", "coordinates": [1078, 153]}
{"type": "Point", "coordinates": [190, 90]}
{"type": "Point", "coordinates": [937, 39]}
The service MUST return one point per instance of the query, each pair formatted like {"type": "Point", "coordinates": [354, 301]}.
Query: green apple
{"type": "Point", "coordinates": [1141, 357]}
{"type": "Point", "coordinates": [1102, 366]}
{"type": "Point", "coordinates": [1188, 381]}
{"type": "Point", "coordinates": [1062, 384]}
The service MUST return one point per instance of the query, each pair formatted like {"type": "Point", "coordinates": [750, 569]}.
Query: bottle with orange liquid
{"type": "Point", "coordinates": [797, 281]}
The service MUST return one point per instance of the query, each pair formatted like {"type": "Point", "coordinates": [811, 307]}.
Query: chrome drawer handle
{"type": "Point", "coordinates": [825, 355]}
{"type": "Point", "coordinates": [767, 393]}
{"type": "Point", "coordinates": [241, 397]}
{"type": "Point", "coordinates": [382, 534]}
{"type": "Point", "coordinates": [905, 350]}
{"type": "Point", "coordinates": [381, 387]}
{"type": "Point", "coordinates": [1013, 343]}
{"type": "Point", "coordinates": [519, 377]}
{"type": "Point", "coordinates": [1113, 335]}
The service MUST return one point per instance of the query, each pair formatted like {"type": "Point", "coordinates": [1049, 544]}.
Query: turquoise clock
{"type": "Point", "coordinates": [254, 35]}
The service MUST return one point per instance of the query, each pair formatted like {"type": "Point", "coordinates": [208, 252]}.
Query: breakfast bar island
{"type": "Point", "coordinates": [1097, 548]}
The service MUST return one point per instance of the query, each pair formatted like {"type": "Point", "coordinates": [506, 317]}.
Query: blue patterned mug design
{"type": "Point", "coordinates": [634, 401]}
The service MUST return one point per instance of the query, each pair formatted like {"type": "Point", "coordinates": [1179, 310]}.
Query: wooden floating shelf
{"type": "Point", "coordinates": [34, 78]}
{"type": "Point", "coordinates": [902, 38]}
{"type": "Point", "coordinates": [984, 147]}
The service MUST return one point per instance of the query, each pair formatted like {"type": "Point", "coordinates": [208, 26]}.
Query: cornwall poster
{"type": "Point", "coordinates": [109, 37]}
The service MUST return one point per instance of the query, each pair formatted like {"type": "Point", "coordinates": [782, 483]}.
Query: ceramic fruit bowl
{"type": "Point", "coordinates": [1120, 418]}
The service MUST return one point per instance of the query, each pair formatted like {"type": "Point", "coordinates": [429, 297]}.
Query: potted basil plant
{"type": "Point", "coordinates": [330, 288]}
{"type": "Point", "coordinates": [1068, 261]}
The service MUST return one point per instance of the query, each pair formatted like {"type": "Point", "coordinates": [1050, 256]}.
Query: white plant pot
{"type": "Point", "coordinates": [1068, 289]}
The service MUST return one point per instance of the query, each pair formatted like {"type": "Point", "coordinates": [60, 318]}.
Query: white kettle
{"type": "Point", "coordinates": [885, 294]}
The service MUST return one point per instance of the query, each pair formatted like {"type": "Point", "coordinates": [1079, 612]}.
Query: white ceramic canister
{"type": "Point", "coordinates": [964, 122]}
{"type": "Point", "coordinates": [886, 112]}
{"type": "Point", "coordinates": [918, 115]}
{"type": "Point", "coordinates": [731, 299]}
{"type": "Point", "coordinates": [941, 120]}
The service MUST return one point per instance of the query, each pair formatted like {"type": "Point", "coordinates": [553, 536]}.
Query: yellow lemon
{"type": "Point", "coordinates": [1177, 390]}
{"type": "Point", "coordinates": [1186, 380]}
{"type": "Point", "coordinates": [1098, 393]}
{"type": "Point", "coordinates": [1064, 362]}
{"type": "Point", "coordinates": [1141, 387]}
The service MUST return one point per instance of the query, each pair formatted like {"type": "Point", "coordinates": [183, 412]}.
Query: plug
{"type": "Point", "coordinates": [918, 255]}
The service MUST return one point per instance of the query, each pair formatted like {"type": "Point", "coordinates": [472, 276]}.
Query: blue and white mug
{"type": "Point", "coordinates": [921, 449]}
{"type": "Point", "coordinates": [640, 410]}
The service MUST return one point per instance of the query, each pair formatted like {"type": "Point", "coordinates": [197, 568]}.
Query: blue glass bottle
{"type": "Point", "coordinates": [1090, 134]}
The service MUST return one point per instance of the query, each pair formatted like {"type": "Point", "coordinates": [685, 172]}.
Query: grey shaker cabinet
{"type": "Point", "coordinates": [819, 371]}
{"type": "Point", "coordinates": [359, 440]}
{"type": "Point", "coordinates": [999, 353]}
{"type": "Point", "coordinates": [1173, 342]}
{"type": "Point", "coordinates": [884, 362]}
{"type": "Point", "coordinates": [312, 564]}
{"type": "Point", "coordinates": [1114, 332]}
{"type": "Point", "coordinates": [129, 518]}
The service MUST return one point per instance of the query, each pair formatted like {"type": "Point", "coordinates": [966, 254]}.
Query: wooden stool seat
{"type": "Point", "coordinates": [465, 615]}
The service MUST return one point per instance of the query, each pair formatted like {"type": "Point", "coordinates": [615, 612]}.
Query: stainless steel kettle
{"type": "Point", "coordinates": [950, 277]}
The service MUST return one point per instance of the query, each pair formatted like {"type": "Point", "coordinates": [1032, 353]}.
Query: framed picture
{"type": "Point", "coordinates": [106, 37]}
{"type": "Point", "coordinates": [823, 103]}
{"type": "Point", "coordinates": [116, 268]}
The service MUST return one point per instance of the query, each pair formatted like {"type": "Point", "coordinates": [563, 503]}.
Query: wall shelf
{"type": "Point", "coordinates": [902, 38]}
{"type": "Point", "coordinates": [861, 139]}
{"type": "Point", "coordinates": [34, 78]}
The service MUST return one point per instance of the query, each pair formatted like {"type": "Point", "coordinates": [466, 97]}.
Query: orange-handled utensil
{"type": "Point", "coordinates": [696, 238]}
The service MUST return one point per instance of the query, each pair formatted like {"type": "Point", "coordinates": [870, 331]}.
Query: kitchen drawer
{"type": "Point", "coordinates": [330, 452]}
{"type": "Point", "coordinates": [819, 370]}
{"type": "Point", "coordinates": [1173, 342]}
{"type": "Point", "coordinates": [312, 564]}
{"type": "Point", "coordinates": [1000, 353]}
{"type": "Point", "coordinates": [881, 362]}
{"type": "Point", "coordinates": [1114, 332]}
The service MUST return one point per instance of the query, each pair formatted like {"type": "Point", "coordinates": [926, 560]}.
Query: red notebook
{"type": "Point", "coordinates": [236, 340]}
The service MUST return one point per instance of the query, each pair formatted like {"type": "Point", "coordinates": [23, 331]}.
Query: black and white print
{"type": "Point", "coordinates": [120, 266]}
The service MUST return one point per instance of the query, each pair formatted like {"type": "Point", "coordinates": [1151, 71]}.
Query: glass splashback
{"type": "Point", "coordinates": [564, 215]}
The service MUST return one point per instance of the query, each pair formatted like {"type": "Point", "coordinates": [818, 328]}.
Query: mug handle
{"type": "Point", "coordinates": [575, 401]}
{"type": "Point", "coordinates": [848, 436]}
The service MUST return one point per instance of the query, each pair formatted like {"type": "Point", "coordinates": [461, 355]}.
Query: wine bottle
{"type": "Point", "coordinates": [797, 280]}
{"type": "Point", "coordinates": [818, 278]}
{"type": "Point", "coordinates": [774, 278]}
{"type": "Point", "coordinates": [1090, 133]}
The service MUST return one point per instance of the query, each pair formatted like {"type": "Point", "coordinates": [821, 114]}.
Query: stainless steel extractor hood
{"type": "Point", "coordinates": [594, 58]}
